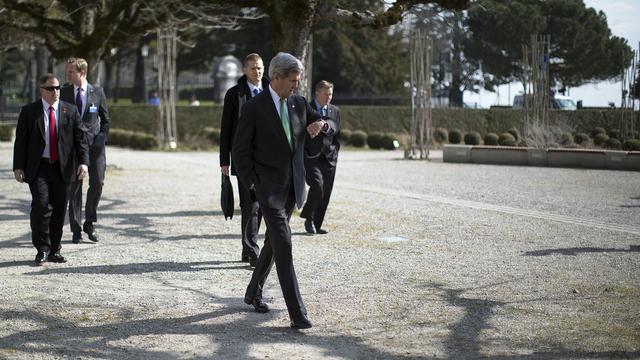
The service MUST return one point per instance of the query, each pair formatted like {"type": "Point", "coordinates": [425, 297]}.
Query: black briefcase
{"type": "Point", "coordinates": [226, 198]}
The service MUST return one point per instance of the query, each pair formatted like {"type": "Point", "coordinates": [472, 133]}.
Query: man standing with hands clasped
{"type": "Point", "coordinates": [320, 159]}
{"type": "Point", "coordinates": [49, 137]}
{"type": "Point", "coordinates": [92, 106]}
{"type": "Point", "coordinates": [268, 155]}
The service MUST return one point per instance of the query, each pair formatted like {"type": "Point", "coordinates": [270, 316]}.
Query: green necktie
{"type": "Point", "coordinates": [284, 117]}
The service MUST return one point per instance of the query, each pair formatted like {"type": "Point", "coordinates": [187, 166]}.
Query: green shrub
{"type": "Point", "coordinates": [600, 139]}
{"type": "Point", "coordinates": [212, 135]}
{"type": "Point", "coordinates": [613, 143]}
{"type": "Point", "coordinates": [581, 138]}
{"type": "Point", "coordinates": [344, 135]}
{"type": "Point", "coordinates": [596, 131]}
{"type": "Point", "coordinates": [472, 138]}
{"type": "Point", "coordinates": [614, 134]}
{"type": "Point", "coordinates": [132, 139]}
{"type": "Point", "coordinates": [506, 139]}
{"type": "Point", "coordinates": [358, 138]}
{"type": "Point", "coordinates": [491, 139]}
{"type": "Point", "coordinates": [440, 135]}
{"type": "Point", "coordinates": [631, 145]}
{"type": "Point", "coordinates": [6, 132]}
{"type": "Point", "coordinates": [388, 141]}
{"type": "Point", "coordinates": [119, 137]}
{"type": "Point", "coordinates": [143, 141]}
{"type": "Point", "coordinates": [374, 140]}
{"type": "Point", "coordinates": [455, 136]}
{"type": "Point", "coordinates": [516, 134]}
{"type": "Point", "coordinates": [565, 139]}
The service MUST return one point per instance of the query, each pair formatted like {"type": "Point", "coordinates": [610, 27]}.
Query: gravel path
{"type": "Point", "coordinates": [424, 260]}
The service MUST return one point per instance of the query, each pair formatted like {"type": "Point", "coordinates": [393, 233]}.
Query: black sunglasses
{"type": "Point", "coordinates": [50, 88]}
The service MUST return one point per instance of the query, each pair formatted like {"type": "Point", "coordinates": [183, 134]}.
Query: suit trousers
{"type": "Point", "coordinates": [49, 200]}
{"type": "Point", "coordinates": [319, 175]}
{"type": "Point", "coordinates": [277, 248]}
{"type": "Point", "coordinates": [97, 167]}
{"type": "Point", "coordinates": [250, 220]}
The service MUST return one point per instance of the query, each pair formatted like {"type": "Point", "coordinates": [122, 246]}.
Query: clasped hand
{"type": "Point", "coordinates": [315, 128]}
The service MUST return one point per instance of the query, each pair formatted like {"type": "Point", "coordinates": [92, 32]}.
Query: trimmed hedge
{"type": "Point", "coordinates": [600, 139]}
{"type": "Point", "coordinates": [506, 139]}
{"type": "Point", "coordinates": [441, 135]}
{"type": "Point", "coordinates": [613, 143]}
{"type": "Point", "coordinates": [472, 138]}
{"type": "Point", "coordinates": [455, 136]}
{"type": "Point", "coordinates": [396, 119]}
{"type": "Point", "coordinates": [358, 138]}
{"type": "Point", "coordinates": [375, 140]}
{"type": "Point", "coordinates": [388, 140]}
{"type": "Point", "coordinates": [132, 139]}
{"type": "Point", "coordinates": [344, 136]}
{"type": "Point", "coordinates": [491, 139]}
{"type": "Point", "coordinates": [6, 132]}
{"type": "Point", "coordinates": [631, 145]}
{"type": "Point", "coordinates": [581, 138]}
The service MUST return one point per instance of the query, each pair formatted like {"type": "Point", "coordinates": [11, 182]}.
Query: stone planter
{"type": "Point", "coordinates": [501, 155]}
{"type": "Point", "coordinates": [570, 158]}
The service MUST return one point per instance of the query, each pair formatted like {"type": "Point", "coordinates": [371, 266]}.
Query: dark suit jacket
{"type": "Point", "coordinates": [96, 123]}
{"type": "Point", "coordinates": [325, 144]}
{"type": "Point", "coordinates": [234, 99]}
{"type": "Point", "coordinates": [261, 152]}
{"type": "Point", "coordinates": [30, 140]}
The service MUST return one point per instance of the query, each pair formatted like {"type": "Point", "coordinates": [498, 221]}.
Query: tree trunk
{"type": "Point", "coordinates": [140, 94]}
{"type": "Point", "coordinates": [292, 21]}
{"type": "Point", "coordinates": [108, 78]}
{"type": "Point", "coordinates": [455, 90]}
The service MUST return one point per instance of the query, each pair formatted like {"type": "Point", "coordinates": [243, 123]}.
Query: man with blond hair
{"type": "Point", "coordinates": [92, 106]}
{"type": "Point", "coordinates": [249, 85]}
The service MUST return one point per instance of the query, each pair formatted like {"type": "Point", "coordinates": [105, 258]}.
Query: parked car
{"type": "Point", "coordinates": [559, 102]}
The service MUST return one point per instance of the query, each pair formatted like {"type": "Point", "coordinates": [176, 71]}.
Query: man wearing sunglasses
{"type": "Point", "coordinates": [92, 106]}
{"type": "Point", "coordinates": [49, 136]}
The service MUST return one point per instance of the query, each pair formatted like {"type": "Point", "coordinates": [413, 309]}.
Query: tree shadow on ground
{"type": "Point", "coordinates": [136, 225]}
{"type": "Point", "coordinates": [142, 268]}
{"type": "Point", "coordinates": [579, 250]}
{"type": "Point", "coordinates": [464, 339]}
{"type": "Point", "coordinates": [239, 339]}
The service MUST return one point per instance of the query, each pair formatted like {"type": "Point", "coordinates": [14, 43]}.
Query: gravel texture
{"type": "Point", "coordinates": [424, 260]}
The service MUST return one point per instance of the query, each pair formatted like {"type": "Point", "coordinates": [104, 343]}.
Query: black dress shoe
{"type": "Point", "coordinates": [308, 226]}
{"type": "Point", "coordinates": [91, 231]}
{"type": "Point", "coordinates": [321, 231]}
{"type": "Point", "coordinates": [41, 258]}
{"type": "Point", "coordinates": [258, 304]}
{"type": "Point", "coordinates": [77, 237]}
{"type": "Point", "coordinates": [300, 323]}
{"type": "Point", "coordinates": [57, 258]}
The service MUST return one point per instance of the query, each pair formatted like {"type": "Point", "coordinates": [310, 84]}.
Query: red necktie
{"type": "Point", "coordinates": [53, 139]}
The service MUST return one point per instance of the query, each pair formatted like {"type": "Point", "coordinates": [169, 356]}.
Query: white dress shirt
{"type": "Point", "coordinates": [253, 87]}
{"type": "Point", "coordinates": [45, 108]}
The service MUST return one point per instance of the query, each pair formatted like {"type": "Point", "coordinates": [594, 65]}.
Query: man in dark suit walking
{"type": "Point", "coordinates": [320, 159]}
{"type": "Point", "coordinates": [268, 154]}
{"type": "Point", "coordinates": [249, 85]}
{"type": "Point", "coordinates": [49, 137]}
{"type": "Point", "coordinates": [92, 106]}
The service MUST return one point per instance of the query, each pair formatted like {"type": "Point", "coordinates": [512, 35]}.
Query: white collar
{"type": "Point", "coordinates": [84, 87]}
{"type": "Point", "coordinates": [46, 105]}
{"type": "Point", "coordinates": [253, 87]}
